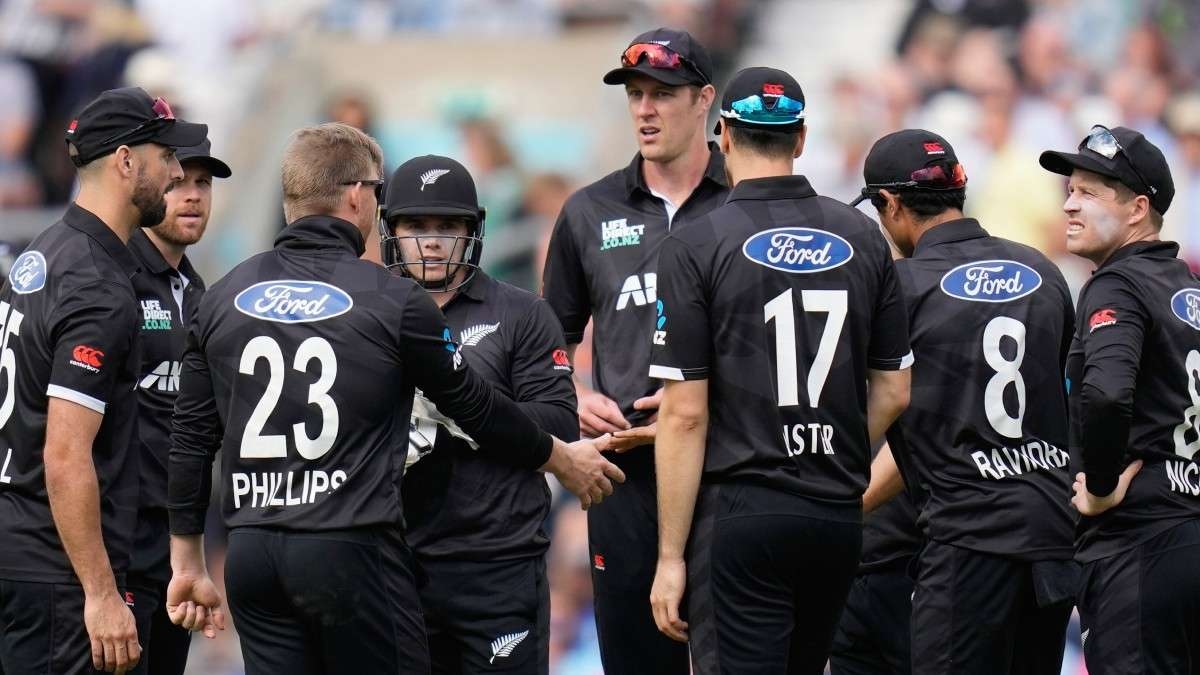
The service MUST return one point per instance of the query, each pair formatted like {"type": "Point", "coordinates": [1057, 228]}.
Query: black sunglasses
{"type": "Point", "coordinates": [378, 183]}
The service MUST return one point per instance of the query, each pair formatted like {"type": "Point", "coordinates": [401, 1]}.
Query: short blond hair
{"type": "Point", "coordinates": [319, 161]}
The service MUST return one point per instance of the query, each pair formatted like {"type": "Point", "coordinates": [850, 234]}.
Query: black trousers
{"type": "Point", "coordinates": [164, 645]}
{"type": "Point", "coordinates": [980, 614]}
{"type": "Point", "coordinates": [330, 602]}
{"type": "Point", "coordinates": [1140, 609]}
{"type": "Point", "coordinates": [766, 586]}
{"type": "Point", "coordinates": [623, 539]}
{"type": "Point", "coordinates": [487, 616]}
{"type": "Point", "coordinates": [42, 630]}
{"type": "Point", "coordinates": [873, 635]}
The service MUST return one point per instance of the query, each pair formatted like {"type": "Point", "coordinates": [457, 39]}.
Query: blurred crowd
{"type": "Point", "coordinates": [1005, 80]}
{"type": "Point", "coordinates": [1001, 79]}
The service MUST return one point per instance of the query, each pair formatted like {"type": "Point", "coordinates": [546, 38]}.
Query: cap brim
{"type": "Point", "coordinates": [430, 210]}
{"type": "Point", "coordinates": [180, 134]}
{"type": "Point", "coordinates": [1065, 163]}
{"type": "Point", "coordinates": [668, 76]}
{"type": "Point", "coordinates": [215, 166]}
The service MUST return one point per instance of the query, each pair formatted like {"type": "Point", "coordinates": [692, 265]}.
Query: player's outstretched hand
{"type": "Point", "coordinates": [1089, 504]}
{"type": "Point", "coordinates": [195, 604]}
{"type": "Point", "coordinates": [599, 415]}
{"type": "Point", "coordinates": [621, 441]}
{"type": "Point", "coordinates": [581, 468]}
{"type": "Point", "coordinates": [112, 631]}
{"type": "Point", "coordinates": [665, 596]}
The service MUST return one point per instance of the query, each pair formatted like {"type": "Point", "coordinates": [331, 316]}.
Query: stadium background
{"type": "Point", "coordinates": [512, 88]}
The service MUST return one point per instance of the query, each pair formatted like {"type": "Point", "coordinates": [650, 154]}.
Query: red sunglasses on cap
{"type": "Point", "coordinates": [162, 112]}
{"type": "Point", "coordinates": [936, 177]}
{"type": "Point", "coordinates": [658, 56]}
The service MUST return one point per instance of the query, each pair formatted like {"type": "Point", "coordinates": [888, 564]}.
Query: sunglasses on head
{"type": "Point", "coordinates": [162, 112]}
{"type": "Point", "coordinates": [658, 56]}
{"type": "Point", "coordinates": [1101, 141]}
{"type": "Point", "coordinates": [936, 177]}
{"type": "Point", "coordinates": [766, 110]}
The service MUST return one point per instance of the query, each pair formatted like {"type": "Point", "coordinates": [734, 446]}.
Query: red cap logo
{"type": "Point", "coordinates": [773, 89]}
{"type": "Point", "coordinates": [934, 148]}
{"type": "Point", "coordinates": [1102, 318]}
{"type": "Point", "coordinates": [598, 562]}
{"type": "Point", "coordinates": [71, 129]}
{"type": "Point", "coordinates": [89, 355]}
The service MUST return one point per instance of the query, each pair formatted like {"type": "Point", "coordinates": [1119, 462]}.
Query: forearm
{"type": "Point", "coordinates": [187, 555]}
{"type": "Point", "coordinates": [189, 484]}
{"type": "Point", "coordinates": [1105, 435]}
{"type": "Point", "coordinates": [887, 397]}
{"type": "Point", "coordinates": [886, 481]}
{"type": "Point", "coordinates": [74, 494]}
{"type": "Point", "coordinates": [679, 463]}
{"type": "Point", "coordinates": [554, 417]}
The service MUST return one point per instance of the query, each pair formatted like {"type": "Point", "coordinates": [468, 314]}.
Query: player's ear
{"type": "Point", "coordinates": [708, 94]}
{"type": "Point", "coordinates": [723, 138]}
{"type": "Point", "coordinates": [124, 161]}
{"type": "Point", "coordinates": [800, 137]}
{"type": "Point", "coordinates": [1141, 209]}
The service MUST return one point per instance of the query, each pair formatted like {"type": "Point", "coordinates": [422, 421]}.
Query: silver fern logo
{"type": "Point", "coordinates": [430, 177]}
{"type": "Point", "coordinates": [503, 646]}
{"type": "Point", "coordinates": [472, 336]}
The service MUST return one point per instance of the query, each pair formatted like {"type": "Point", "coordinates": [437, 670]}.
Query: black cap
{"type": "Point", "coordinates": [202, 154]}
{"type": "Point", "coordinates": [432, 186]}
{"type": "Point", "coordinates": [682, 43]}
{"type": "Point", "coordinates": [766, 83]}
{"type": "Point", "coordinates": [127, 116]}
{"type": "Point", "coordinates": [895, 157]}
{"type": "Point", "coordinates": [1139, 166]}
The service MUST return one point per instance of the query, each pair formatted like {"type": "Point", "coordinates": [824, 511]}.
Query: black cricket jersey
{"type": "Point", "coordinates": [167, 300]}
{"type": "Point", "coordinates": [301, 366]}
{"type": "Point", "coordinates": [458, 503]}
{"type": "Point", "coordinates": [1134, 377]}
{"type": "Point", "coordinates": [983, 443]}
{"type": "Point", "coordinates": [68, 329]}
{"type": "Point", "coordinates": [783, 300]}
{"type": "Point", "coordinates": [602, 265]}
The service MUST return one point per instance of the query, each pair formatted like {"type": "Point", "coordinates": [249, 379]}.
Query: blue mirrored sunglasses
{"type": "Point", "coordinates": [757, 109]}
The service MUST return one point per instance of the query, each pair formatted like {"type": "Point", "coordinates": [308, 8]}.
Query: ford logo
{"type": "Point", "coordinates": [991, 281]}
{"type": "Point", "coordinates": [798, 250]}
{"type": "Point", "coordinates": [1186, 305]}
{"type": "Point", "coordinates": [292, 301]}
{"type": "Point", "coordinates": [28, 273]}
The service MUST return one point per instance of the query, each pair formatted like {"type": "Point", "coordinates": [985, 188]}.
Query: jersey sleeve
{"type": "Point", "coordinates": [541, 373]}
{"type": "Point", "coordinates": [680, 335]}
{"type": "Point", "coordinates": [93, 333]}
{"type": "Point", "coordinates": [564, 285]}
{"type": "Point", "coordinates": [196, 433]}
{"type": "Point", "coordinates": [1112, 327]}
{"type": "Point", "coordinates": [437, 367]}
{"type": "Point", "coordinates": [889, 348]}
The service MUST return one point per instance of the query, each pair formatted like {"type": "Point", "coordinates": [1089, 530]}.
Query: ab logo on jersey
{"type": "Point", "coordinates": [798, 250]}
{"type": "Point", "coordinates": [1186, 305]}
{"type": "Point", "coordinates": [991, 281]}
{"type": "Point", "coordinates": [28, 273]}
{"type": "Point", "coordinates": [292, 301]}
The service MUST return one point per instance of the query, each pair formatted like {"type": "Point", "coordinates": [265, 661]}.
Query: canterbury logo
{"type": "Point", "coordinates": [430, 177]}
{"type": "Point", "coordinates": [475, 334]}
{"type": "Point", "coordinates": [87, 355]}
{"type": "Point", "coordinates": [503, 646]}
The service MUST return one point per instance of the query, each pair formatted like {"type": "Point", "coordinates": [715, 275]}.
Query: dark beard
{"type": "Point", "coordinates": [150, 203]}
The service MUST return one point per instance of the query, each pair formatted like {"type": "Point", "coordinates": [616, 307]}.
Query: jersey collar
{"type": "Point", "coordinates": [322, 232]}
{"type": "Point", "coordinates": [1154, 249]}
{"type": "Point", "coordinates": [773, 187]}
{"type": "Point", "coordinates": [153, 261]}
{"type": "Point", "coordinates": [90, 224]}
{"type": "Point", "coordinates": [960, 229]}
{"type": "Point", "coordinates": [714, 173]}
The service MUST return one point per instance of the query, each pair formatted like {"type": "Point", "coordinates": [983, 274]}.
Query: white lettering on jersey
{"type": "Point", "coordinates": [164, 377]}
{"type": "Point", "coordinates": [999, 463]}
{"type": "Point", "coordinates": [813, 438]}
{"type": "Point", "coordinates": [640, 290]}
{"type": "Point", "coordinates": [1184, 477]}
